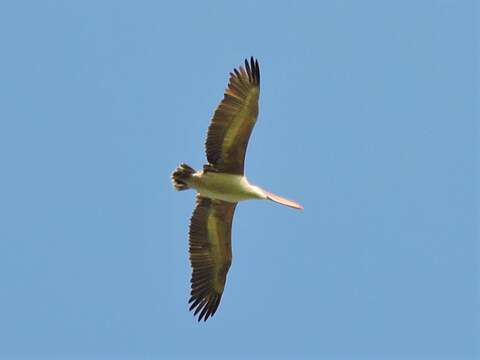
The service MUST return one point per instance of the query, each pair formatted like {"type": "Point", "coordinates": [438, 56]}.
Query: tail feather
{"type": "Point", "coordinates": [180, 176]}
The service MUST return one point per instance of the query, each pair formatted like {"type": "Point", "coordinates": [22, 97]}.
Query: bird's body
{"type": "Point", "coordinates": [227, 187]}
{"type": "Point", "coordinates": [220, 186]}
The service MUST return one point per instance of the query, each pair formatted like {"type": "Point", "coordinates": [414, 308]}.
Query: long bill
{"type": "Point", "coordinates": [283, 201]}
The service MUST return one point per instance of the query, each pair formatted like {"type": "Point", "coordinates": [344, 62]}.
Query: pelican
{"type": "Point", "coordinates": [220, 186]}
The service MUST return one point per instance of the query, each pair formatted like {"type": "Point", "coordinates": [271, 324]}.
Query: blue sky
{"type": "Point", "coordinates": [368, 117]}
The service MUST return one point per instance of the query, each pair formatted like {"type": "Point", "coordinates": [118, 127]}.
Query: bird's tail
{"type": "Point", "coordinates": [180, 176]}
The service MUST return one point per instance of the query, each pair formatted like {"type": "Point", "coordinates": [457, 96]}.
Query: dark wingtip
{"type": "Point", "coordinates": [255, 69]}
{"type": "Point", "coordinates": [237, 74]}
{"type": "Point", "coordinates": [249, 70]}
{"type": "Point", "coordinates": [204, 307]}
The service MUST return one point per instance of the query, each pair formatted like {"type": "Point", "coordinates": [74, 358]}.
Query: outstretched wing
{"type": "Point", "coordinates": [210, 253]}
{"type": "Point", "coordinates": [234, 119]}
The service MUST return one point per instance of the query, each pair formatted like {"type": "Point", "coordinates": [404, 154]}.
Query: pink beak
{"type": "Point", "coordinates": [283, 201]}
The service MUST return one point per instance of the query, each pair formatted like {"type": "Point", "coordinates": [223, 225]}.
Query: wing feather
{"type": "Point", "coordinates": [234, 119]}
{"type": "Point", "coordinates": [210, 254]}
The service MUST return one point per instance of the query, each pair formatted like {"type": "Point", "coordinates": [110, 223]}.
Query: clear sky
{"type": "Point", "coordinates": [368, 117]}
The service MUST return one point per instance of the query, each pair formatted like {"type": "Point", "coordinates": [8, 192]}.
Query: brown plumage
{"type": "Point", "coordinates": [210, 253]}
{"type": "Point", "coordinates": [234, 119]}
{"type": "Point", "coordinates": [211, 222]}
{"type": "Point", "coordinates": [220, 186]}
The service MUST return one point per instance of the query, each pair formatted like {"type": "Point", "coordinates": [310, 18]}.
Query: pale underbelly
{"type": "Point", "coordinates": [226, 187]}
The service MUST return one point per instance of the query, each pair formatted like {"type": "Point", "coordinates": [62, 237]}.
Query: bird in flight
{"type": "Point", "coordinates": [220, 186]}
